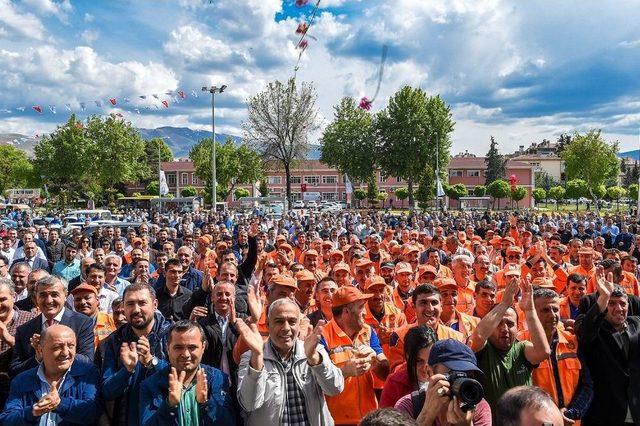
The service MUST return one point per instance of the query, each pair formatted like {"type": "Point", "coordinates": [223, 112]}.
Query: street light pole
{"type": "Point", "coordinates": [213, 90]}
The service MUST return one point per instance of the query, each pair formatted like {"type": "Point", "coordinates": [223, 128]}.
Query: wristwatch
{"type": "Point", "coordinates": [153, 363]}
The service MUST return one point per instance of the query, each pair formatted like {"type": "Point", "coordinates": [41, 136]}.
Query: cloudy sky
{"type": "Point", "coordinates": [520, 71]}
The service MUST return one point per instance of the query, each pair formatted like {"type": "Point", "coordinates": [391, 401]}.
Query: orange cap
{"type": "Point", "coordinates": [336, 253]}
{"type": "Point", "coordinates": [362, 263]}
{"type": "Point", "coordinates": [205, 239]}
{"type": "Point", "coordinates": [285, 246]}
{"type": "Point", "coordinates": [423, 269]}
{"type": "Point", "coordinates": [543, 283]}
{"type": "Point", "coordinates": [284, 281]}
{"type": "Point", "coordinates": [409, 249]}
{"type": "Point", "coordinates": [585, 251]}
{"type": "Point", "coordinates": [222, 245]}
{"type": "Point", "coordinates": [348, 294]}
{"type": "Point", "coordinates": [85, 287]}
{"type": "Point", "coordinates": [341, 266]}
{"type": "Point", "coordinates": [514, 249]}
{"type": "Point", "coordinates": [374, 281]}
{"type": "Point", "coordinates": [403, 267]}
{"type": "Point", "coordinates": [310, 252]}
{"type": "Point", "coordinates": [327, 244]}
{"type": "Point", "coordinates": [443, 283]}
{"type": "Point", "coordinates": [509, 239]}
{"type": "Point", "coordinates": [511, 269]}
{"type": "Point", "coordinates": [305, 275]}
{"type": "Point", "coordinates": [136, 240]}
{"type": "Point", "coordinates": [281, 238]}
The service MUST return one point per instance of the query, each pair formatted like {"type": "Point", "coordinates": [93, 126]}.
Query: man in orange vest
{"type": "Point", "coordinates": [562, 375]}
{"type": "Point", "coordinates": [382, 315]}
{"type": "Point", "coordinates": [451, 316]}
{"type": "Point", "coordinates": [427, 302]}
{"type": "Point", "coordinates": [401, 294]}
{"type": "Point", "coordinates": [353, 346]}
{"type": "Point", "coordinates": [569, 305]}
{"type": "Point", "coordinates": [461, 266]}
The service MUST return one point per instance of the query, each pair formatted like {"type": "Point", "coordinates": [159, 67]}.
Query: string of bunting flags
{"type": "Point", "coordinates": [133, 104]}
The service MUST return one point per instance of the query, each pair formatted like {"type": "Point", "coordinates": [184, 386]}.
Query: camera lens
{"type": "Point", "coordinates": [469, 391]}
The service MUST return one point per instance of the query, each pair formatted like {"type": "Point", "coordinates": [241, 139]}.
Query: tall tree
{"type": "Point", "coordinates": [591, 158]}
{"type": "Point", "coordinates": [235, 165]}
{"type": "Point", "coordinates": [279, 121]}
{"type": "Point", "coordinates": [563, 141]}
{"type": "Point", "coordinates": [544, 180]}
{"type": "Point", "coordinates": [15, 169]}
{"type": "Point", "coordinates": [347, 142]}
{"type": "Point", "coordinates": [407, 133]}
{"type": "Point", "coordinates": [156, 150]}
{"type": "Point", "coordinates": [496, 163]}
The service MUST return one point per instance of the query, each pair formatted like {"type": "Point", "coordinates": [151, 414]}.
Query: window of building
{"type": "Point", "coordinates": [295, 196]}
{"type": "Point", "coordinates": [194, 179]}
{"type": "Point", "coordinates": [398, 180]}
{"type": "Point", "coordinates": [295, 179]}
{"type": "Point", "coordinates": [312, 180]}
{"type": "Point", "coordinates": [455, 173]}
{"type": "Point", "coordinates": [330, 180]}
{"type": "Point", "coordinates": [344, 195]}
{"type": "Point", "coordinates": [274, 180]}
{"type": "Point", "coordinates": [171, 179]}
{"type": "Point", "coordinates": [473, 173]}
{"type": "Point", "coordinates": [329, 196]}
{"type": "Point", "coordinates": [184, 179]}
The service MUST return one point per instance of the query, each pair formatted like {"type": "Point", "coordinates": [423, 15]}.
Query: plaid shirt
{"type": "Point", "coordinates": [19, 318]}
{"type": "Point", "coordinates": [295, 410]}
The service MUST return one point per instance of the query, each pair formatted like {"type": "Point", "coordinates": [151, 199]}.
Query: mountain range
{"type": "Point", "coordinates": [179, 139]}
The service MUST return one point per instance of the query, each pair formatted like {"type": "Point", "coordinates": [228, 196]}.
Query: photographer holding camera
{"type": "Point", "coordinates": [452, 396]}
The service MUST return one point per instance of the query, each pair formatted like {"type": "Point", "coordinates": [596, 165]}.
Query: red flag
{"type": "Point", "coordinates": [37, 108]}
{"type": "Point", "coordinates": [166, 104]}
{"type": "Point", "coordinates": [181, 94]}
{"type": "Point", "coordinates": [113, 101]}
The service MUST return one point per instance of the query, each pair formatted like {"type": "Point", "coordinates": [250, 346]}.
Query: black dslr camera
{"type": "Point", "coordinates": [469, 391]}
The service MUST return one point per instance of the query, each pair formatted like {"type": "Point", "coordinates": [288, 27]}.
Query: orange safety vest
{"type": "Point", "coordinates": [405, 306]}
{"type": "Point", "coordinates": [396, 341]}
{"type": "Point", "coordinates": [629, 283]}
{"type": "Point", "coordinates": [103, 328]}
{"type": "Point", "coordinates": [358, 397]}
{"type": "Point", "coordinates": [208, 260]}
{"type": "Point", "coordinates": [392, 319]}
{"type": "Point", "coordinates": [466, 298]}
{"type": "Point", "coordinates": [466, 323]}
{"type": "Point", "coordinates": [568, 368]}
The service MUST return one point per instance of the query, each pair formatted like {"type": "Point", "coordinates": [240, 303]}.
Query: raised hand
{"type": "Point", "coordinates": [129, 356]}
{"type": "Point", "coordinates": [510, 291]}
{"type": "Point", "coordinates": [176, 384]}
{"type": "Point", "coordinates": [144, 350]}
{"type": "Point", "coordinates": [5, 335]}
{"type": "Point", "coordinates": [207, 280]}
{"type": "Point", "coordinates": [35, 342]}
{"type": "Point", "coordinates": [255, 307]}
{"type": "Point", "coordinates": [526, 302]}
{"type": "Point", "coordinates": [254, 229]}
{"type": "Point", "coordinates": [251, 336]}
{"type": "Point", "coordinates": [605, 285]}
{"type": "Point", "coordinates": [311, 343]}
{"type": "Point", "coordinates": [197, 312]}
{"type": "Point", "coordinates": [202, 389]}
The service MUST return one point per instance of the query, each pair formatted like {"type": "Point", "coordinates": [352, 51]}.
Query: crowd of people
{"type": "Point", "coordinates": [371, 318]}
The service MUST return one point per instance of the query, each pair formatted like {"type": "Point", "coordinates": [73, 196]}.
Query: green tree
{"type": "Point", "coordinates": [632, 173]}
{"type": "Point", "coordinates": [591, 158]}
{"type": "Point", "coordinates": [615, 193]}
{"type": "Point", "coordinates": [402, 194]}
{"type": "Point", "coordinates": [372, 191]}
{"type": "Point", "coordinates": [499, 189]}
{"type": "Point", "coordinates": [188, 191]}
{"type": "Point", "coordinates": [539, 194]}
{"type": "Point", "coordinates": [457, 191]}
{"type": "Point", "coordinates": [235, 165]}
{"type": "Point", "coordinates": [544, 180]}
{"type": "Point", "coordinates": [241, 192]}
{"type": "Point", "coordinates": [409, 132]}
{"type": "Point", "coordinates": [156, 150]}
{"type": "Point", "coordinates": [153, 188]}
{"type": "Point", "coordinates": [518, 194]}
{"type": "Point", "coordinates": [119, 147]}
{"type": "Point", "coordinates": [348, 143]}
{"type": "Point", "coordinates": [496, 164]}
{"type": "Point", "coordinates": [263, 188]}
{"type": "Point", "coordinates": [576, 188]}
{"type": "Point", "coordinates": [278, 124]}
{"type": "Point", "coordinates": [480, 191]}
{"type": "Point", "coordinates": [557, 193]}
{"type": "Point", "coordinates": [382, 196]}
{"type": "Point", "coordinates": [359, 194]}
{"type": "Point", "coordinates": [15, 169]}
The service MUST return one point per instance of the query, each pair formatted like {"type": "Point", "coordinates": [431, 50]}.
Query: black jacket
{"type": "Point", "coordinates": [616, 377]}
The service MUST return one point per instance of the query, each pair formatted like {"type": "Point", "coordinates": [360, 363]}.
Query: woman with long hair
{"type": "Point", "coordinates": [414, 372]}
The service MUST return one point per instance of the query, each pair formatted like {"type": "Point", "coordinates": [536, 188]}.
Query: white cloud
{"type": "Point", "coordinates": [630, 44]}
{"type": "Point", "coordinates": [88, 17]}
{"type": "Point", "coordinates": [89, 36]}
{"type": "Point", "coordinates": [20, 24]}
{"type": "Point", "coordinates": [50, 7]}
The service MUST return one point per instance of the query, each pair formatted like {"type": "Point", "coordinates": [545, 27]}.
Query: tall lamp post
{"type": "Point", "coordinates": [213, 90]}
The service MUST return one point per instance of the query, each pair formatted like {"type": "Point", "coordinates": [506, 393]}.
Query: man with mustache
{"type": "Point", "coordinates": [63, 389]}
{"type": "Point", "coordinates": [85, 301]}
{"type": "Point", "coordinates": [563, 368]}
{"type": "Point", "coordinates": [186, 391]}
{"type": "Point", "coordinates": [133, 352]}
{"type": "Point", "coordinates": [51, 293]}
{"type": "Point", "coordinates": [303, 371]}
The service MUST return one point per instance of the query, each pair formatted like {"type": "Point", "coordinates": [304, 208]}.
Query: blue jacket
{"type": "Point", "coordinates": [154, 410]}
{"type": "Point", "coordinates": [117, 383]}
{"type": "Point", "coordinates": [23, 357]}
{"type": "Point", "coordinates": [79, 396]}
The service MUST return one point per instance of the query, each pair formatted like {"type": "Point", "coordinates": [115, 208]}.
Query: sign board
{"type": "Point", "coordinates": [303, 187]}
{"type": "Point", "coordinates": [311, 196]}
{"type": "Point", "coordinates": [23, 193]}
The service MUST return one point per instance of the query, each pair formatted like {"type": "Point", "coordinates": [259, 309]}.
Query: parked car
{"type": "Point", "coordinates": [312, 205]}
{"type": "Point", "coordinates": [298, 204]}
